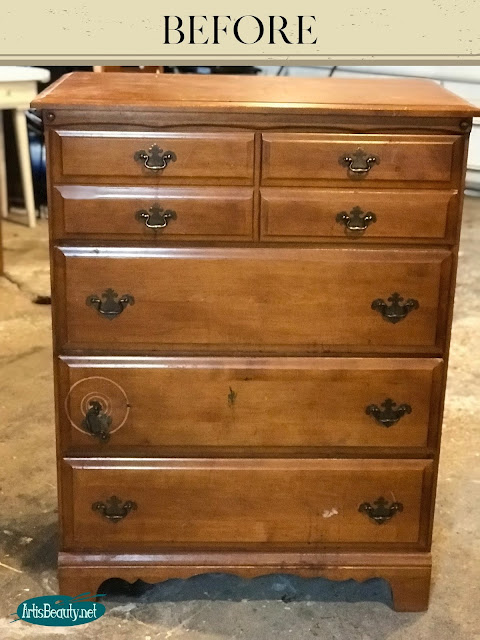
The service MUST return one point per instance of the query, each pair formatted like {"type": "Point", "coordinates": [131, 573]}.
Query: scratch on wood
{"type": "Point", "coordinates": [328, 513]}
{"type": "Point", "coordinates": [232, 396]}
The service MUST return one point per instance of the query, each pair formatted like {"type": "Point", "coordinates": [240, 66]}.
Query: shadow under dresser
{"type": "Point", "coordinates": [253, 282]}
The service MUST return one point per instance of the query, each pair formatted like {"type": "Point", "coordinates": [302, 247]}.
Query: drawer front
{"type": "Point", "coordinates": [305, 215]}
{"type": "Point", "coordinates": [114, 156]}
{"type": "Point", "coordinates": [252, 300]}
{"type": "Point", "coordinates": [154, 214]}
{"type": "Point", "coordinates": [360, 159]}
{"type": "Point", "coordinates": [116, 404]}
{"type": "Point", "coordinates": [246, 501]}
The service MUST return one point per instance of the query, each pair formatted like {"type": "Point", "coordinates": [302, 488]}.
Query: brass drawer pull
{"type": "Point", "coordinates": [359, 162]}
{"type": "Point", "coordinates": [390, 414]}
{"type": "Point", "coordinates": [96, 422]}
{"type": "Point", "coordinates": [110, 307]}
{"type": "Point", "coordinates": [356, 222]}
{"type": "Point", "coordinates": [113, 509]}
{"type": "Point", "coordinates": [155, 217]}
{"type": "Point", "coordinates": [155, 159]}
{"type": "Point", "coordinates": [397, 310]}
{"type": "Point", "coordinates": [382, 512]}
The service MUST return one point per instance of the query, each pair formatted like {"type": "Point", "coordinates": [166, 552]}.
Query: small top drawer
{"type": "Point", "coordinates": [296, 158]}
{"type": "Point", "coordinates": [157, 214]}
{"type": "Point", "coordinates": [152, 157]}
{"type": "Point", "coordinates": [370, 215]}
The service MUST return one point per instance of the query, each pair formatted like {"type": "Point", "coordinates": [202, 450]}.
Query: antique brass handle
{"type": "Point", "coordinates": [390, 414]}
{"type": "Point", "coordinates": [359, 162]}
{"type": "Point", "coordinates": [113, 509]}
{"type": "Point", "coordinates": [96, 422]}
{"type": "Point", "coordinates": [109, 307]}
{"type": "Point", "coordinates": [356, 221]}
{"type": "Point", "coordinates": [397, 310]}
{"type": "Point", "coordinates": [155, 217]}
{"type": "Point", "coordinates": [381, 511]}
{"type": "Point", "coordinates": [155, 159]}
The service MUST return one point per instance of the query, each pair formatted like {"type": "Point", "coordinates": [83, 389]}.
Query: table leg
{"type": "Point", "coordinates": [23, 147]}
{"type": "Point", "coordinates": [3, 172]}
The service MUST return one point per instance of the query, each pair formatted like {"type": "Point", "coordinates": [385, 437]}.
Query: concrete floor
{"type": "Point", "coordinates": [218, 607]}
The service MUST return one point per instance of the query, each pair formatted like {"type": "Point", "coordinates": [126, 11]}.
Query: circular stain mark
{"type": "Point", "coordinates": [104, 400]}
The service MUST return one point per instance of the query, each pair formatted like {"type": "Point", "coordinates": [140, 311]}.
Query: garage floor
{"type": "Point", "coordinates": [218, 607]}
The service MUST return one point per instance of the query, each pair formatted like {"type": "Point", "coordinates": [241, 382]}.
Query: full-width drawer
{"type": "Point", "coordinates": [165, 404]}
{"type": "Point", "coordinates": [290, 158]}
{"type": "Point", "coordinates": [306, 215]}
{"type": "Point", "coordinates": [151, 157]}
{"type": "Point", "coordinates": [161, 213]}
{"type": "Point", "coordinates": [232, 300]}
{"type": "Point", "coordinates": [112, 503]}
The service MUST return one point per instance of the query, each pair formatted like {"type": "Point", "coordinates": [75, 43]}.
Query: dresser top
{"type": "Point", "coordinates": [171, 92]}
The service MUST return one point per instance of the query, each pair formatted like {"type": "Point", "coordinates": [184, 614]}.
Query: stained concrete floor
{"type": "Point", "coordinates": [221, 607]}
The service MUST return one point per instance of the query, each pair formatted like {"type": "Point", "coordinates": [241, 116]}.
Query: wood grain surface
{"type": "Point", "coordinates": [244, 502]}
{"type": "Point", "coordinates": [162, 404]}
{"type": "Point", "coordinates": [201, 213]}
{"type": "Point", "coordinates": [254, 300]}
{"type": "Point", "coordinates": [363, 96]}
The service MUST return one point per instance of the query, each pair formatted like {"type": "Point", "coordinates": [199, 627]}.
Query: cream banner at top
{"type": "Point", "coordinates": [282, 31]}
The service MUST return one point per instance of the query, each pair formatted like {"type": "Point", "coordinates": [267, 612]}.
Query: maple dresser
{"type": "Point", "coordinates": [253, 281]}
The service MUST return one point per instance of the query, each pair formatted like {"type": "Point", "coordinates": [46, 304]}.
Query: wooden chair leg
{"type": "Point", "coordinates": [3, 172]}
{"type": "Point", "coordinates": [21, 133]}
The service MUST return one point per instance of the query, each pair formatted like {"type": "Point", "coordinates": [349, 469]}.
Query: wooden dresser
{"type": "Point", "coordinates": [253, 283]}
